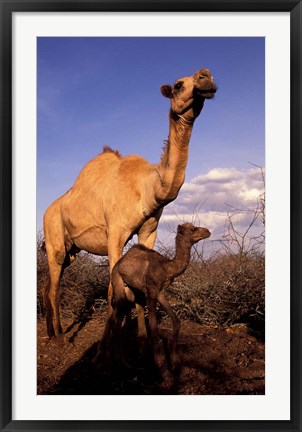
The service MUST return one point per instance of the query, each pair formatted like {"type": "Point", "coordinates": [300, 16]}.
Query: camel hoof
{"type": "Point", "coordinates": [142, 345]}
{"type": "Point", "coordinates": [59, 340]}
{"type": "Point", "coordinates": [175, 369]}
{"type": "Point", "coordinates": [150, 376]}
{"type": "Point", "coordinates": [157, 376]}
{"type": "Point", "coordinates": [101, 359]}
{"type": "Point", "coordinates": [98, 359]}
{"type": "Point", "coordinates": [95, 361]}
{"type": "Point", "coordinates": [124, 364]}
{"type": "Point", "coordinates": [175, 366]}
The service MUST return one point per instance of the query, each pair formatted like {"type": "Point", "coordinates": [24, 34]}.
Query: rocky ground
{"type": "Point", "coordinates": [214, 360]}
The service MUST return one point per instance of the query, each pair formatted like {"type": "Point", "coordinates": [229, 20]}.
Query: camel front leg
{"type": "Point", "coordinates": [116, 243]}
{"type": "Point", "coordinates": [111, 340]}
{"type": "Point", "coordinates": [114, 253]}
{"type": "Point", "coordinates": [104, 345]}
{"type": "Point", "coordinates": [111, 335]}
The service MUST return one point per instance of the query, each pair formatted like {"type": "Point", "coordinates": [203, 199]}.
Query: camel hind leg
{"type": "Point", "coordinates": [151, 302]}
{"type": "Point", "coordinates": [52, 301]}
{"type": "Point", "coordinates": [175, 361]}
{"type": "Point", "coordinates": [56, 255]}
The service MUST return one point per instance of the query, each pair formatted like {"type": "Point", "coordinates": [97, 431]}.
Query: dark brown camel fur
{"type": "Point", "coordinates": [142, 275]}
{"type": "Point", "coordinates": [115, 197]}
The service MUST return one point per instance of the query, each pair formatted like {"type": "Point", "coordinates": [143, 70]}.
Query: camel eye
{"type": "Point", "coordinates": [178, 86]}
{"type": "Point", "coordinates": [194, 229]}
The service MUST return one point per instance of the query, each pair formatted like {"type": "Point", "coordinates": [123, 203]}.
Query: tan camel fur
{"type": "Point", "coordinates": [144, 274]}
{"type": "Point", "coordinates": [115, 197]}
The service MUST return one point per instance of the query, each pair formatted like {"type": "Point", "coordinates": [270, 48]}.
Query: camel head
{"type": "Point", "coordinates": [188, 94]}
{"type": "Point", "coordinates": [191, 233]}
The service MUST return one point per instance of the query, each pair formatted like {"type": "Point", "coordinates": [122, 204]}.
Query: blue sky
{"type": "Point", "coordinates": [105, 91]}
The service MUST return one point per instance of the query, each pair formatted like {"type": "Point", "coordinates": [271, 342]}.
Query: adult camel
{"type": "Point", "coordinates": [115, 197]}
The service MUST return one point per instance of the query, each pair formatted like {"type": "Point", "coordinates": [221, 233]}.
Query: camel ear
{"type": "Point", "coordinates": [166, 90]}
{"type": "Point", "coordinates": [180, 229]}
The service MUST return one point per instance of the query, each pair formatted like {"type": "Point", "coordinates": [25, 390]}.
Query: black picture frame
{"type": "Point", "coordinates": [7, 9]}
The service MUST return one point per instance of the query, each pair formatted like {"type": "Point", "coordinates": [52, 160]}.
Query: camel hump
{"type": "Point", "coordinates": [107, 149]}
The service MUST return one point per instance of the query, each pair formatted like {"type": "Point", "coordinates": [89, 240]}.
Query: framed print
{"type": "Point", "coordinates": [174, 125]}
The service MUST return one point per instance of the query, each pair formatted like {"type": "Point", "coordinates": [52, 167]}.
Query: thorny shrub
{"type": "Point", "coordinates": [224, 289]}
{"type": "Point", "coordinates": [229, 286]}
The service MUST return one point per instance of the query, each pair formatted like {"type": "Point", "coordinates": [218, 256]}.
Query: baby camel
{"type": "Point", "coordinates": [141, 276]}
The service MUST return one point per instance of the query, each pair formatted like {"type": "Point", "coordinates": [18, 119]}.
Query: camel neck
{"type": "Point", "coordinates": [175, 157]}
{"type": "Point", "coordinates": [182, 257]}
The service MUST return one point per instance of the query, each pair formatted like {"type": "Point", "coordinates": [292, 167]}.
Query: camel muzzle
{"type": "Point", "coordinates": [205, 234]}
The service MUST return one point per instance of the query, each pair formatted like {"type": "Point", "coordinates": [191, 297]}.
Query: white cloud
{"type": "Point", "coordinates": [207, 198]}
{"type": "Point", "coordinates": [217, 189]}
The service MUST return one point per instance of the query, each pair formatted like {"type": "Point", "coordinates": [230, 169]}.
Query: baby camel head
{"type": "Point", "coordinates": [187, 95]}
{"type": "Point", "coordinates": [191, 233]}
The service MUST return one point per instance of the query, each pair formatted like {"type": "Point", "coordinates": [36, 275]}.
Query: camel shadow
{"type": "Point", "coordinates": [84, 378]}
{"type": "Point", "coordinates": [83, 317]}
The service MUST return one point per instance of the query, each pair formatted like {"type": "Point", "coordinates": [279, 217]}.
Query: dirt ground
{"type": "Point", "coordinates": [214, 360]}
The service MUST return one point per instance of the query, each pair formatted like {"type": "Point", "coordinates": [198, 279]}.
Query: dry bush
{"type": "Point", "coordinates": [228, 287]}
{"type": "Point", "coordinates": [84, 285]}
{"type": "Point", "coordinates": [42, 273]}
{"type": "Point", "coordinates": [225, 289]}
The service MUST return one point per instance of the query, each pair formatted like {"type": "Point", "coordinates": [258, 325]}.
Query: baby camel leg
{"type": "Point", "coordinates": [153, 328]}
{"type": "Point", "coordinates": [148, 240]}
{"type": "Point", "coordinates": [176, 327]}
{"type": "Point", "coordinates": [117, 340]}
